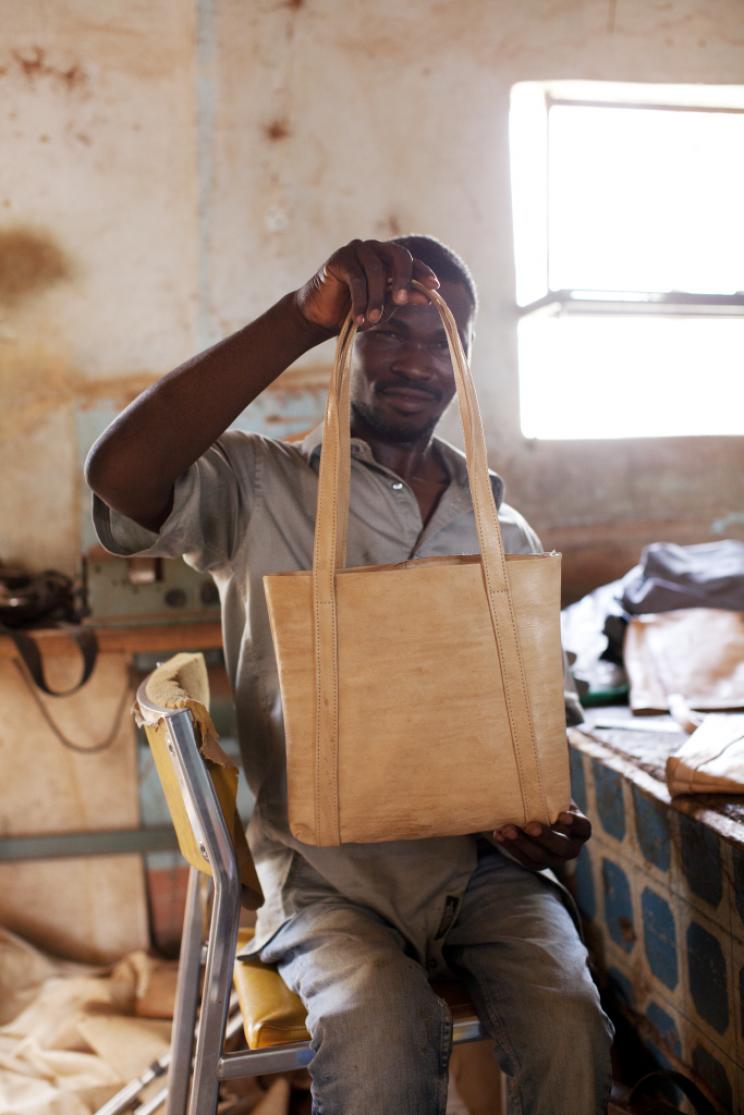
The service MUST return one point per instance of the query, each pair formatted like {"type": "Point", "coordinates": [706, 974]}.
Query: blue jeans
{"type": "Point", "coordinates": [382, 1038]}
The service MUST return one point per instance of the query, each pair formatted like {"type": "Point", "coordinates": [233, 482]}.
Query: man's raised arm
{"type": "Point", "coordinates": [135, 463]}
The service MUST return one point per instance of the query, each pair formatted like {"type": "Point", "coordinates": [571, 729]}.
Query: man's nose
{"type": "Point", "coordinates": [414, 360]}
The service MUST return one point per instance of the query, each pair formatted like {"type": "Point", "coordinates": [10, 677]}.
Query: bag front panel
{"type": "Point", "coordinates": [424, 742]}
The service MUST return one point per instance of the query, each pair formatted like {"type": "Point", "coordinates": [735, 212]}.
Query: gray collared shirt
{"type": "Point", "coordinates": [246, 508]}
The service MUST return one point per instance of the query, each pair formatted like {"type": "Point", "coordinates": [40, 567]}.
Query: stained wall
{"type": "Point", "coordinates": [170, 169]}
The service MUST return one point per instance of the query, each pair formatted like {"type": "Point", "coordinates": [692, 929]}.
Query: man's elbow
{"type": "Point", "coordinates": [98, 471]}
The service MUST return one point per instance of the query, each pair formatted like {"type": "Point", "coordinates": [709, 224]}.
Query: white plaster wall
{"type": "Point", "coordinates": [97, 140]}
{"type": "Point", "coordinates": [232, 144]}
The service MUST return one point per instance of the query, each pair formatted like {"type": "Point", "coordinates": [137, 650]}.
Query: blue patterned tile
{"type": "Point", "coordinates": [665, 1027]}
{"type": "Point", "coordinates": [673, 881]}
{"type": "Point", "coordinates": [618, 905]}
{"type": "Point", "coordinates": [713, 1073]}
{"type": "Point", "coordinates": [652, 829]}
{"type": "Point", "coordinates": [622, 985]}
{"type": "Point", "coordinates": [578, 779]}
{"type": "Point", "coordinates": [608, 789]}
{"type": "Point", "coordinates": [660, 937]}
{"type": "Point", "coordinates": [586, 896]}
{"type": "Point", "coordinates": [738, 874]}
{"type": "Point", "coordinates": [700, 854]}
{"type": "Point", "coordinates": [737, 963]}
{"type": "Point", "coordinates": [708, 978]}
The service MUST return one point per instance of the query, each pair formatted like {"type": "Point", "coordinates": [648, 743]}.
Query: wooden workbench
{"type": "Point", "coordinates": [126, 640]}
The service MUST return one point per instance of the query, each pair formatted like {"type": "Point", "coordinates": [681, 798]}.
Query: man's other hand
{"type": "Point", "coordinates": [368, 277]}
{"type": "Point", "coordinates": [539, 846]}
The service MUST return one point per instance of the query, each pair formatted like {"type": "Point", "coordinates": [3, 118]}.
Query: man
{"type": "Point", "coordinates": [356, 930]}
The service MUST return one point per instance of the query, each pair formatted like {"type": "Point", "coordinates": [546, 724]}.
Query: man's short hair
{"type": "Point", "coordinates": [443, 261]}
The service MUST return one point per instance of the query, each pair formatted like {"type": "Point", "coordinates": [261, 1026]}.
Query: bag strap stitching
{"type": "Point", "coordinates": [327, 559]}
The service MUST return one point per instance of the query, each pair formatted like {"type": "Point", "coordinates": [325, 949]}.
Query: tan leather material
{"type": "Point", "coordinates": [425, 747]}
{"type": "Point", "coordinates": [424, 699]}
{"type": "Point", "coordinates": [697, 653]}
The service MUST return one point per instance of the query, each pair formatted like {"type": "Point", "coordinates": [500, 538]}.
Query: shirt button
{"type": "Point", "coordinates": [397, 486]}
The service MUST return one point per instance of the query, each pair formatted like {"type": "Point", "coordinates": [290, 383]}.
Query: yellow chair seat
{"type": "Point", "coordinates": [272, 1014]}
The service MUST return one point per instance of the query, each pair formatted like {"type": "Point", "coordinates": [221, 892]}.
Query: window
{"type": "Point", "coordinates": [629, 251]}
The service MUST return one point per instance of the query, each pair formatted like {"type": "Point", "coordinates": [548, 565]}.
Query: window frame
{"type": "Point", "coordinates": [619, 302]}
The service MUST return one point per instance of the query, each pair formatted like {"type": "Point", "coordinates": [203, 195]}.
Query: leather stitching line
{"type": "Point", "coordinates": [490, 590]}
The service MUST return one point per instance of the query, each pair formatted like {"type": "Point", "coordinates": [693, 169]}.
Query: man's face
{"type": "Point", "coordinates": [402, 378]}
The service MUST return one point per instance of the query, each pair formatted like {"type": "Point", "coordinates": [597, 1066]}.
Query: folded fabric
{"type": "Point", "coordinates": [711, 761]}
{"type": "Point", "coordinates": [696, 652]}
{"type": "Point", "coordinates": [707, 575]}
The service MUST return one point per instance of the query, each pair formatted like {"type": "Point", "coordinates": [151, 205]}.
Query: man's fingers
{"type": "Point", "coordinates": [375, 274]}
{"type": "Point", "coordinates": [358, 291]}
{"type": "Point", "coordinates": [556, 843]}
{"type": "Point", "coordinates": [543, 845]}
{"type": "Point", "coordinates": [531, 853]}
{"type": "Point", "coordinates": [403, 268]}
{"type": "Point", "coordinates": [400, 264]}
{"type": "Point", "coordinates": [575, 825]}
{"type": "Point", "coordinates": [345, 270]}
{"type": "Point", "coordinates": [426, 276]}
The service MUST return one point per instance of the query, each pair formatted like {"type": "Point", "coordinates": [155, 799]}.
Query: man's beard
{"type": "Point", "coordinates": [390, 431]}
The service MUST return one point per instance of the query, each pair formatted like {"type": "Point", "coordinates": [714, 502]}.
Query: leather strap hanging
{"type": "Point", "coordinates": [28, 649]}
{"type": "Point", "coordinates": [47, 599]}
{"type": "Point", "coordinates": [329, 556]}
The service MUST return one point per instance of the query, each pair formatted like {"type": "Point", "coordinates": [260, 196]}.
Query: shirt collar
{"type": "Point", "coordinates": [453, 458]}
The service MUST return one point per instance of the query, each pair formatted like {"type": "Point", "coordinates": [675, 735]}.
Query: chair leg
{"type": "Point", "coordinates": [215, 998]}
{"type": "Point", "coordinates": [187, 996]}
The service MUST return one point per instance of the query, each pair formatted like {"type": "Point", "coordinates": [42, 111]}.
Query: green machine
{"type": "Point", "coordinates": [124, 592]}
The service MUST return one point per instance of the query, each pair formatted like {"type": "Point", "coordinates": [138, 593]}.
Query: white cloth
{"type": "Point", "coordinates": [711, 761]}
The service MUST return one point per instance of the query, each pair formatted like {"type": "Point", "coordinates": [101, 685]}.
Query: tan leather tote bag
{"type": "Point", "coordinates": [425, 698]}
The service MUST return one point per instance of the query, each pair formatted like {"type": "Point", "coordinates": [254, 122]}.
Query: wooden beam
{"type": "Point", "coordinates": [126, 640]}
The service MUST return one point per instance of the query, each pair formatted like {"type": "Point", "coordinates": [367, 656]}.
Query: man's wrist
{"type": "Point", "coordinates": [313, 333]}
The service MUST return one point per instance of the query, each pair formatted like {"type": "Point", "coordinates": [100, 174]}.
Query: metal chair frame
{"type": "Point", "coordinates": [211, 1065]}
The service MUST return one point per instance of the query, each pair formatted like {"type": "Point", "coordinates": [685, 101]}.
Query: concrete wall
{"type": "Point", "coordinates": [169, 169]}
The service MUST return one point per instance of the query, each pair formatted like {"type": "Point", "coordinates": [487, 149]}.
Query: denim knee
{"type": "Point", "coordinates": [585, 1029]}
{"type": "Point", "coordinates": [386, 1050]}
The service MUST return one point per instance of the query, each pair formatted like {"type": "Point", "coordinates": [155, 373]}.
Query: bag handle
{"type": "Point", "coordinates": [329, 556]}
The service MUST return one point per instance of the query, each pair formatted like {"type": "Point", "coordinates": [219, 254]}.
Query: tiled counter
{"type": "Point", "coordinates": [661, 887]}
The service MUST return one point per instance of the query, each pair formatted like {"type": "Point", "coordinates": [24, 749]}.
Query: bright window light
{"type": "Point", "coordinates": [629, 245]}
{"type": "Point", "coordinates": [591, 376]}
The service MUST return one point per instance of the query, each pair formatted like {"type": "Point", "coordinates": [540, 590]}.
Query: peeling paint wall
{"type": "Point", "coordinates": [97, 251]}
{"type": "Point", "coordinates": [170, 169]}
